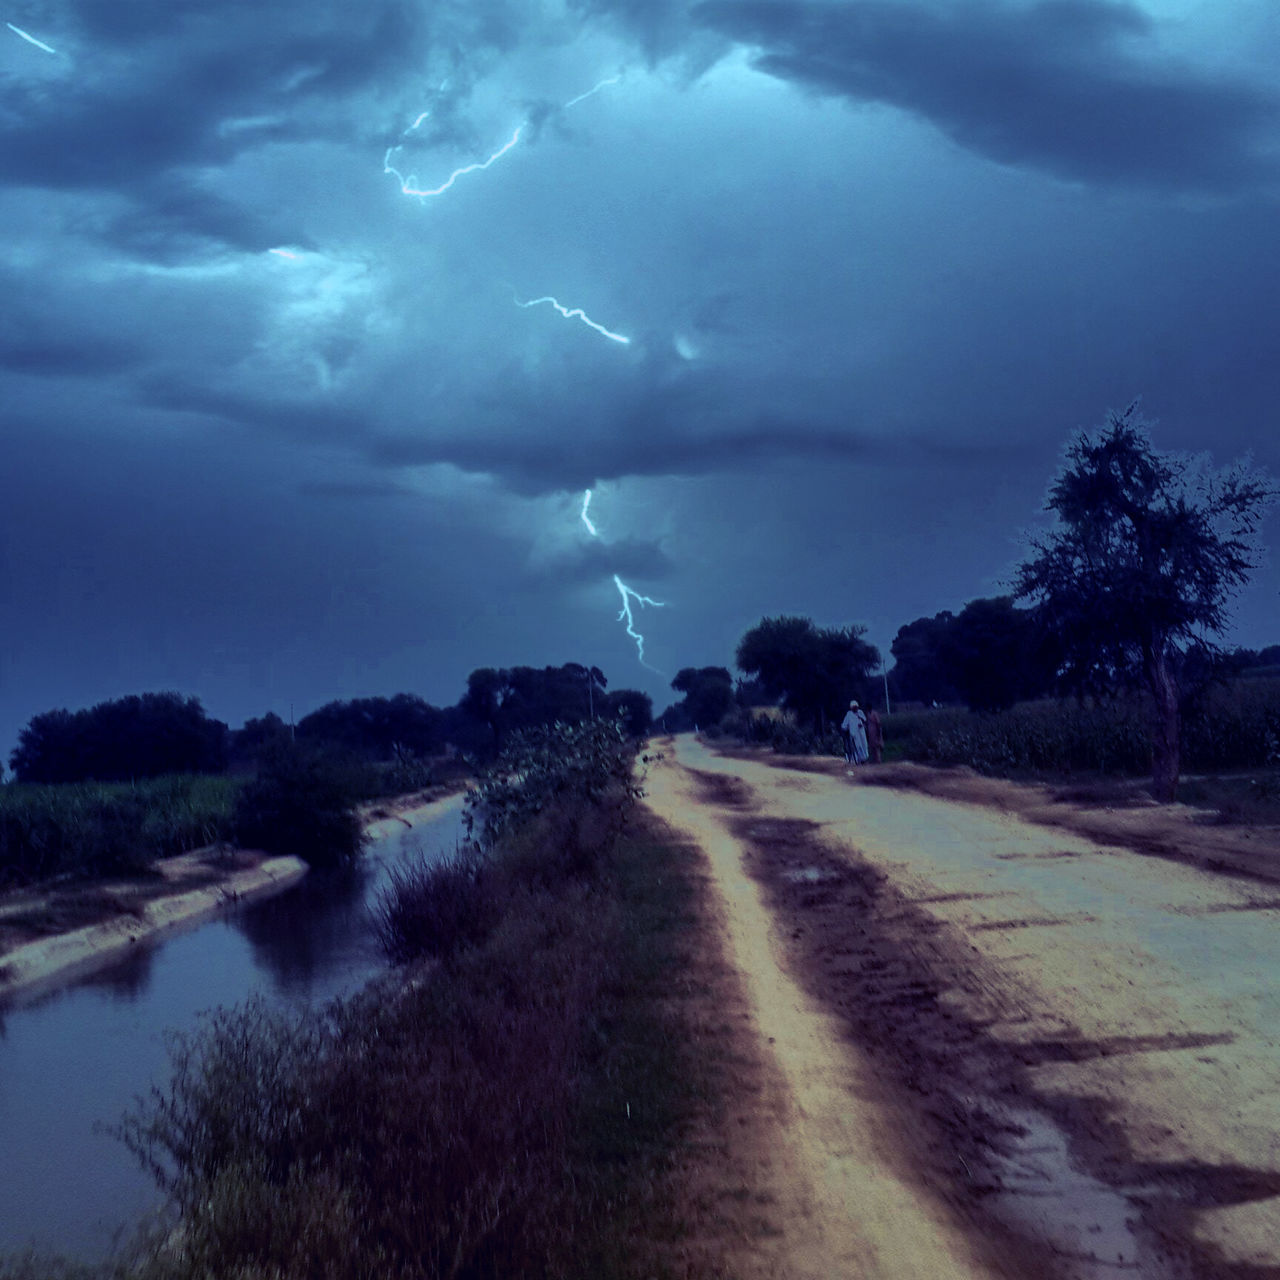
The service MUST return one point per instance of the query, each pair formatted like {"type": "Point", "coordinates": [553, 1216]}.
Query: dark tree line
{"type": "Point", "coordinates": [988, 656]}
{"type": "Point", "coordinates": [150, 734]}
{"type": "Point", "coordinates": [141, 736]}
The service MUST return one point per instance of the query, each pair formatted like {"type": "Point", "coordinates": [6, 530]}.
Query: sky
{"type": "Point", "coordinates": [320, 320]}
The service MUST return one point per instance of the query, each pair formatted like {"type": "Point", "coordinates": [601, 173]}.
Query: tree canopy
{"type": "Point", "coordinates": [141, 736]}
{"type": "Point", "coordinates": [812, 669]}
{"type": "Point", "coordinates": [1146, 552]}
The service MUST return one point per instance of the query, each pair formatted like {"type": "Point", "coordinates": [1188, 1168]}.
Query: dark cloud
{"type": "Point", "coordinates": [176, 87]}
{"type": "Point", "coordinates": [592, 561]}
{"type": "Point", "coordinates": [358, 489]}
{"type": "Point", "coordinates": [175, 217]}
{"type": "Point", "coordinates": [1052, 86]}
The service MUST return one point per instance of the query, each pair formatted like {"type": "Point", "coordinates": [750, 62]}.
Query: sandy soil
{"type": "Point", "coordinates": [990, 1045]}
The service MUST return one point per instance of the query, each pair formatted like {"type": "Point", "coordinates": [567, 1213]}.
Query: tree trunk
{"type": "Point", "coordinates": [1166, 726]}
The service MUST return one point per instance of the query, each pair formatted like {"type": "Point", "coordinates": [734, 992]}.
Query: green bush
{"type": "Point", "coordinates": [561, 764]}
{"type": "Point", "coordinates": [301, 803]}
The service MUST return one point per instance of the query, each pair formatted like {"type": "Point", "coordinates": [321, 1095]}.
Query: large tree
{"type": "Point", "coordinates": [812, 669]}
{"type": "Point", "coordinates": [1146, 552]}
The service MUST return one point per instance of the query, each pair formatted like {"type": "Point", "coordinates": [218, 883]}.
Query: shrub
{"type": "Point", "coordinates": [301, 803]}
{"type": "Point", "coordinates": [570, 764]}
{"type": "Point", "coordinates": [435, 909]}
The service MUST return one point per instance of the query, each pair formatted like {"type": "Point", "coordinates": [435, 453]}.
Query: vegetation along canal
{"type": "Point", "coordinates": [71, 1063]}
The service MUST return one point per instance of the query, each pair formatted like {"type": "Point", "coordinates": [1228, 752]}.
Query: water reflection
{"type": "Point", "coordinates": [75, 1059]}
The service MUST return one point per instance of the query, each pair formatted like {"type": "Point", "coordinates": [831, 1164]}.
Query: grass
{"type": "Point", "coordinates": [101, 829]}
{"type": "Point", "coordinates": [504, 1104]}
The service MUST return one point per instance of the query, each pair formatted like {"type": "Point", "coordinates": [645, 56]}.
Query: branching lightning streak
{"type": "Point", "coordinates": [627, 593]}
{"type": "Point", "coordinates": [586, 519]}
{"type": "Point", "coordinates": [407, 184]}
{"type": "Point", "coordinates": [577, 313]}
{"type": "Point", "coordinates": [30, 39]}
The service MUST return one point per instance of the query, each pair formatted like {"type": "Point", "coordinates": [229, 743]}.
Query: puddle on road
{"type": "Point", "coordinates": [1093, 1227]}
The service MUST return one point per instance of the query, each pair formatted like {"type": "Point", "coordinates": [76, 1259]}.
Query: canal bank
{"type": "Point", "coordinates": [77, 1052]}
{"type": "Point", "coordinates": [51, 936]}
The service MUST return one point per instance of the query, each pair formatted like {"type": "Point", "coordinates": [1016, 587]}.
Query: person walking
{"type": "Point", "coordinates": [875, 736]}
{"type": "Point", "coordinates": [854, 728]}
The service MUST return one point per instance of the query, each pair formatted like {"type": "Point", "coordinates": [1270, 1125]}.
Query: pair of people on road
{"type": "Point", "coordinates": [863, 736]}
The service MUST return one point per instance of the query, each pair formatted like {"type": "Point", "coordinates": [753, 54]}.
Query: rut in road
{"type": "Point", "coordinates": [830, 1175]}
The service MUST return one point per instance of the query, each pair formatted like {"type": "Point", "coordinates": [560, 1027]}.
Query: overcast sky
{"type": "Point", "coordinates": [275, 430]}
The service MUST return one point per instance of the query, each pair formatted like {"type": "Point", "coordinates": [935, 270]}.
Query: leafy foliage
{"type": "Point", "coordinates": [812, 669]}
{"type": "Point", "coordinates": [301, 803]}
{"type": "Point", "coordinates": [142, 736]}
{"type": "Point", "coordinates": [1147, 552]}
{"type": "Point", "coordinates": [584, 763]}
{"type": "Point", "coordinates": [109, 828]}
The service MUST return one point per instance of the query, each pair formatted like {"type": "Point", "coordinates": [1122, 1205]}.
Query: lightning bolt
{"type": "Point", "coordinates": [577, 313]}
{"type": "Point", "coordinates": [595, 88]}
{"type": "Point", "coordinates": [586, 519]}
{"type": "Point", "coordinates": [407, 184]}
{"type": "Point", "coordinates": [628, 595]}
{"type": "Point", "coordinates": [30, 39]}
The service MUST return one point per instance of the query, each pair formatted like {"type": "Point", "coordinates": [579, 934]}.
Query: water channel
{"type": "Point", "coordinates": [74, 1061]}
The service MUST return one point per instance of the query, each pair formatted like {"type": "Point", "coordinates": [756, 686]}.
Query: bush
{"type": "Point", "coordinates": [436, 909]}
{"type": "Point", "coordinates": [562, 764]}
{"type": "Point", "coordinates": [301, 803]}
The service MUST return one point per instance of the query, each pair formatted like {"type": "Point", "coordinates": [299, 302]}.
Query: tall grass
{"type": "Point", "coordinates": [108, 828]}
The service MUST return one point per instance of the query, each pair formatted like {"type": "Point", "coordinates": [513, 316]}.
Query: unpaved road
{"type": "Point", "coordinates": [992, 1048]}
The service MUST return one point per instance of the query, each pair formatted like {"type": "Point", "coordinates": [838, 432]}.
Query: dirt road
{"type": "Point", "coordinates": [997, 1048]}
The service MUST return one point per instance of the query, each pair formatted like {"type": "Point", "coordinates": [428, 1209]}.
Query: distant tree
{"type": "Point", "coordinates": [995, 654]}
{"type": "Point", "coordinates": [633, 708]}
{"type": "Point", "coordinates": [258, 735]}
{"type": "Point", "coordinates": [377, 727]}
{"type": "Point", "coordinates": [1147, 551]}
{"type": "Point", "coordinates": [812, 669]}
{"type": "Point", "coordinates": [501, 700]}
{"type": "Point", "coordinates": [140, 736]}
{"type": "Point", "coordinates": [920, 671]}
{"type": "Point", "coordinates": [708, 694]}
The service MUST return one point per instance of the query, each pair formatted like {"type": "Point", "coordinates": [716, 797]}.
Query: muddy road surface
{"type": "Point", "coordinates": [997, 1048]}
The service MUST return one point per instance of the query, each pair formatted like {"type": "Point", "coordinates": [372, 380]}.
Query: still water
{"type": "Point", "coordinates": [75, 1060]}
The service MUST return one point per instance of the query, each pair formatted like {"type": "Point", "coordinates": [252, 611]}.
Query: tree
{"type": "Point", "coordinates": [708, 694]}
{"type": "Point", "coordinates": [812, 669]}
{"type": "Point", "coordinates": [919, 669]}
{"type": "Point", "coordinates": [1147, 551]}
{"type": "Point", "coordinates": [996, 654]}
{"type": "Point", "coordinates": [140, 736]}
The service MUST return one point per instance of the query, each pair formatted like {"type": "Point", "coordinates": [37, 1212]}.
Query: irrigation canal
{"type": "Point", "coordinates": [72, 1062]}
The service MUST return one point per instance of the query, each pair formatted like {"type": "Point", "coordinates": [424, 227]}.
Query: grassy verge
{"type": "Point", "coordinates": [506, 1106]}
